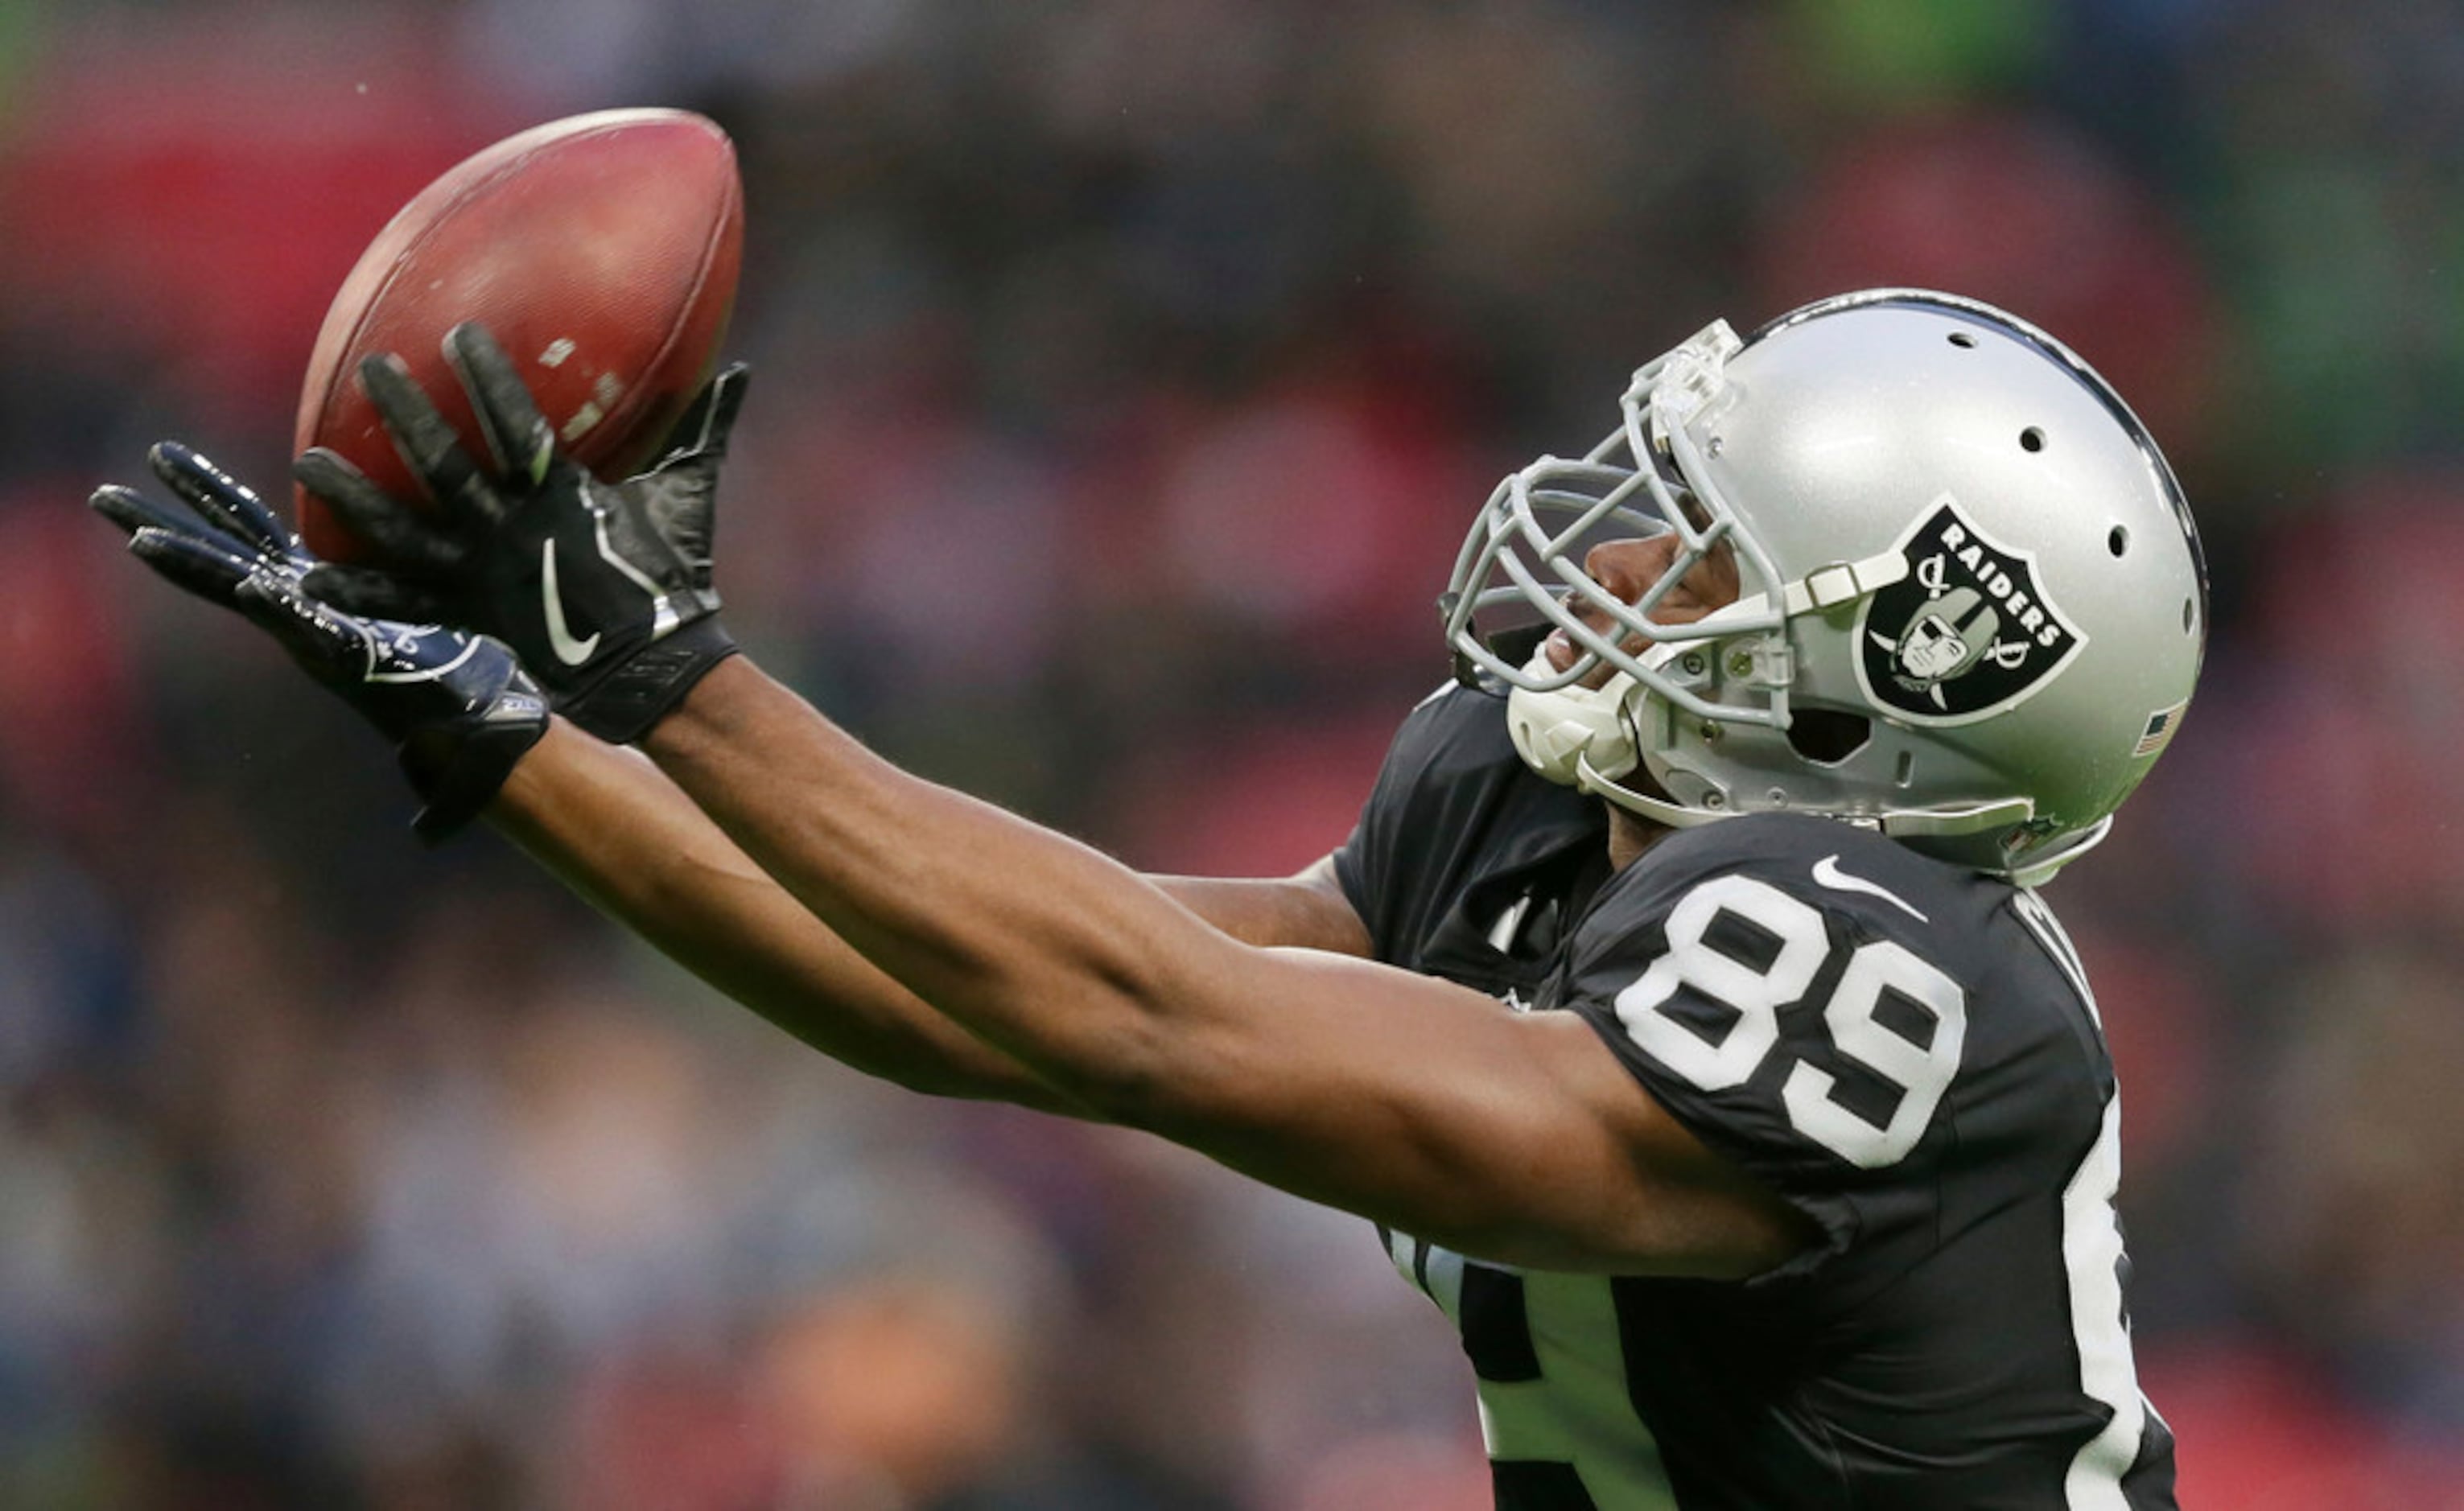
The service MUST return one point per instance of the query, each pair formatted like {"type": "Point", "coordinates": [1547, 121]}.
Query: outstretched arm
{"type": "Point", "coordinates": [605, 821]}
{"type": "Point", "coordinates": [1409, 1099]}
{"type": "Point", "coordinates": [604, 590]}
{"type": "Point", "coordinates": [1412, 1101]}
{"type": "Point", "coordinates": [1308, 911]}
{"type": "Point", "coordinates": [612, 827]}
{"type": "Point", "coordinates": [461, 715]}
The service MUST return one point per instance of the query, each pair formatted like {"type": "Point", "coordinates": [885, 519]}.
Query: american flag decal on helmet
{"type": "Point", "coordinates": [2161, 726]}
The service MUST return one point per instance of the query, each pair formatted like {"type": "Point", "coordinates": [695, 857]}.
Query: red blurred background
{"type": "Point", "coordinates": [1126, 371]}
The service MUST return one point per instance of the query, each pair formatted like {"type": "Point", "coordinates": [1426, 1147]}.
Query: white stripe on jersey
{"type": "Point", "coordinates": [2031, 910]}
{"type": "Point", "coordinates": [2092, 1259]}
{"type": "Point", "coordinates": [1435, 1272]}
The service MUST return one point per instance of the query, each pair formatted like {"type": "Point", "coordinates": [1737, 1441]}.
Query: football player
{"type": "Point", "coordinates": [1682, 1010]}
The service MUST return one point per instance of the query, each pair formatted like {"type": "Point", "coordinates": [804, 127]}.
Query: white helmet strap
{"type": "Point", "coordinates": [1560, 733]}
{"type": "Point", "coordinates": [1659, 810]}
{"type": "Point", "coordinates": [1585, 738]}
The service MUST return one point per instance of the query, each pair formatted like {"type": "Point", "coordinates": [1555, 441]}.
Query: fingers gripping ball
{"type": "Point", "coordinates": [602, 251]}
{"type": "Point", "coordinates": [603, 589]}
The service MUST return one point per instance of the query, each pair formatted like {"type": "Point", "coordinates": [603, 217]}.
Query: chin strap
{"type": "Point", "coordinates": [1589, 779]}
{"type": "Point", "coordinates": [1583, 738]}
{"type": "Point", "coordinates": [1562, 732]}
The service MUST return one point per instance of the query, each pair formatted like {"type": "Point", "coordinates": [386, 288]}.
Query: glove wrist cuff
{"type": "Point", "coordinates": [642, 689]}
{"type": "Point", "coordinates": [457, 766]}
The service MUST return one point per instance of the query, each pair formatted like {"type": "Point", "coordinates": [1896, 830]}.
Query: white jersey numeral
{"type": "Point", "coordinates": [1756, 995]}
{"type": "Point", "coordinates": [2092, 1260]}
{"type": "Point", "coordinates": [1579, 1412]}
{"type": "Point", "coordinates": [2099, 1325]}
{"type": "Point", "coordinates": [1922, 1069]}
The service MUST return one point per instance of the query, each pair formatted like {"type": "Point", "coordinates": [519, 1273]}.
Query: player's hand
{"type": "Point", "coordinates": [603, 589]}
{"type": "Point", "coordinates": [457, 707]}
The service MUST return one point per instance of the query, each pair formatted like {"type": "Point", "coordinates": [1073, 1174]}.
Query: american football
{"type": "Point", "coordinates": [601, 250]}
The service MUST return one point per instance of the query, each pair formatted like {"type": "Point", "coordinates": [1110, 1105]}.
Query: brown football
{"type": "Point", "coordinates": [602, 251]}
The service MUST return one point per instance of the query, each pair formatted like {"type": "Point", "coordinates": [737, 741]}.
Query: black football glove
{"type": "Point", "coordinates": [603, 589]}
{"type": "Point", "coordinates": [457, 707]}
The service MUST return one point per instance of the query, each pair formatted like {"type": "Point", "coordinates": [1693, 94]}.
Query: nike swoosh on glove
{"type": "Point", "coordinates": [603, 589]}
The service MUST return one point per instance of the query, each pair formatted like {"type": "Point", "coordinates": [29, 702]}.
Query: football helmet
{"type": "Point", "coordinates": [1972, 602]}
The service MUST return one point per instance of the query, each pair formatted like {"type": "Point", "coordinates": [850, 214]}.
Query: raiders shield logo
{"type": "Point", "coordinates": [1966, 633]}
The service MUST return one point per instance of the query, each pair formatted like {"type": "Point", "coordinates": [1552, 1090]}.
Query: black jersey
{"type": "Point", "coordinates": [1905, 1051]}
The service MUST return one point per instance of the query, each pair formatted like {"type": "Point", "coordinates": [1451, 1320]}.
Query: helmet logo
{"type": "Point", "coordinates": [1968, 634]}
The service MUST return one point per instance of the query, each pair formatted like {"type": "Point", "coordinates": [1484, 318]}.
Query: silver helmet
{"type": "Point", "coordinates": [1971, 603]}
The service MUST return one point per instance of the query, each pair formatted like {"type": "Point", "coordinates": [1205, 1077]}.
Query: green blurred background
{"type": "Point", "coordinates": [1126, 373]}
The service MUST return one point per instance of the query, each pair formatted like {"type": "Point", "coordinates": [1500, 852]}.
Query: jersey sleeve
{"type": "Point", "coordinates": [1364, 865]}
{"type": "Point", "coordinates": [1810, 1032]}
{"type": "Point", "coordinates": [1440, 776]}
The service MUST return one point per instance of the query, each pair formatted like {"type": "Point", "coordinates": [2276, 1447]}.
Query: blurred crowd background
{"type": "Point", "coordinates": [1126, 371]}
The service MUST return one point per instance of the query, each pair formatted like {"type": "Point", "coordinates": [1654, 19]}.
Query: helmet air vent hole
{"type": "Point", "coordinates": [1963, 338]}
{"type": "Point", "coordinates": [2117, 540]}
{"type": "Point", "coordinates": [1906, 770]}
{"type": "Point", "coordinates": [1827, 737]}
{"type": "Point", "coordinates": [2032, 439]}
{"type": "Point", "coordinates": [2187, 618]}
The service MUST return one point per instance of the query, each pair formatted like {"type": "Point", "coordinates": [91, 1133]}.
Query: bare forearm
{"type": "Point", "coordinates": [611, 826]}
{"type": "Point", "coordinates": [1038, 944]}
{"type": "Point", "coordinates": [1308, 911]}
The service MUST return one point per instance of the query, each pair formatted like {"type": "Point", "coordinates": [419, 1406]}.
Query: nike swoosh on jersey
{"type": "Point", "coordinates": [1827, 873]}
{"type": "Point", "coordinates": [559, 635]}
